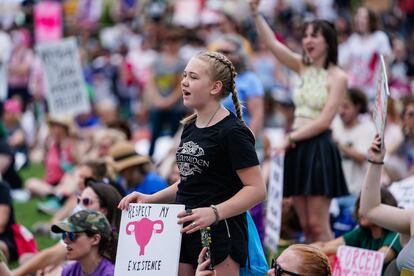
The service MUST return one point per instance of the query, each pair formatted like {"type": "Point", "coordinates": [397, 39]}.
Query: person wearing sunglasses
{"type": "Point", "coordinates": [90, 242]}
{"type": "Point", "coordinates": [96, 196]}
{"type": "Point", "coordinates": [301, 260]}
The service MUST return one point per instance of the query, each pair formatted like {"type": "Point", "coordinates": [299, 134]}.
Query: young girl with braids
{"type": "Point", "coordinates": [220, 177]}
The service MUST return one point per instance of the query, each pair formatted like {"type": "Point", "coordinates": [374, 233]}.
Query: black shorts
{"type": "Point", "coordinates": [228, 238]}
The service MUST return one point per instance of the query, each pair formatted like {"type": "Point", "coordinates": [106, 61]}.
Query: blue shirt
{"type": "Point", "coordinates": [247, 85]}
{"type": "Point", "coordinates": [152, 183]}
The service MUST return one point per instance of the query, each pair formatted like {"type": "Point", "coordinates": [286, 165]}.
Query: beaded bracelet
{"type": "Point", "coordinates": [376, 162]}
{"type": "Point", "coordinates": [214, 207]}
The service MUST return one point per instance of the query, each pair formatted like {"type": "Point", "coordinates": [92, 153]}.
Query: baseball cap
{"type": "Point", "coordinates": [84, 220]}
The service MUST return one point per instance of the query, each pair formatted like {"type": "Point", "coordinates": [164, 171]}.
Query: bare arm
{"type": "Point", "coordinates": [352, 153]}
{"type": "Point", "coordinates": [66, 210]}
{"type": "Point", "coordinates": [4, 217]}
{"type": "Point", "coordinates": [389, 254]}
{"type": "Point", "coordinates": [337, 90]}
{"type": "Point", "coordinates": [280, 51]}
{"type": "Point", "coordinates": [16, 139]}
{"type": "Point", "coordinates": [4, 270]}
{"type": "Point", "coordinates": [391, 218]}
{"type": "Point", "coordinates": [252, 193]}
{"type": "Point", "coordinates": [54, 255]}
{"type": "Point", "coordinates": [255, 107]}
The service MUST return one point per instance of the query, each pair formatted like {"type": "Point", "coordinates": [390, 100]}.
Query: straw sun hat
{"type": "Point", "coordinates": [64, 121]}
{"type": "Point", "coordinates": [124, 156]}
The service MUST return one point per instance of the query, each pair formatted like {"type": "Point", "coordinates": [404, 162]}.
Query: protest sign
{"type": "Point", "coordinates": [274, 203]}
{"type": "Point", "coordinates": [357, 261]}
{"type": "Point", "coordinates": [64, 83]}
{"type": "Point", "coordinates": [187, 13]}
{"type": "Point", "coordinates": [149, 240]}
{"type": "Point", "coordinates": [48, 21]}
{"type": "Point", "coordinates": [381, 100]}
{"type": "Point", "coordinates": [403, 191]}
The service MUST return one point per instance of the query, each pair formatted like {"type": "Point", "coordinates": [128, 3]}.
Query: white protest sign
{"type": "Point", "coordinates": [403, 191]}
{"type": "Point", "coordinates": [274, 203]}
{"type": "Point", "coordinates": [149, 240]}
{"type": "Point", "coordinates": [357, 261]}
{"type": "Point", "coordinates": [381, 100]}
{"type": "Point", "coordinates": [64, 82]}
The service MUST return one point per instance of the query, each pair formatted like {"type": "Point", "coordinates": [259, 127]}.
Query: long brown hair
{"type": "Point", "coordinates": [109, 199]}
{"type": "Point", "coordinates": [221, 69]}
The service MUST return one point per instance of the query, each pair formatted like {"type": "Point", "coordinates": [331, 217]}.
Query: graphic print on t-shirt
{"type": "Point", "coordinates": [189, 159]}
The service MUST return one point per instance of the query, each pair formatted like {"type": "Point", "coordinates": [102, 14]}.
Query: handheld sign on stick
{"type": "Point", "coordinates": [381, 100]}
{"type": "Point", "coordinates": [149, 240]}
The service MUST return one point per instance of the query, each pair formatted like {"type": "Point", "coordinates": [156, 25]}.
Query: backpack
{"type": "Point", "coordinates": [256, 264]}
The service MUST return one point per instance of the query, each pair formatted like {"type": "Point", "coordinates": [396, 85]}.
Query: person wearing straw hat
{"type": "Point", "coordinates": [135, 169]}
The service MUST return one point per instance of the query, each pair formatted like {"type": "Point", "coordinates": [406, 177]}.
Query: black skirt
{"type": "Point", "coordinates": [313, 167]}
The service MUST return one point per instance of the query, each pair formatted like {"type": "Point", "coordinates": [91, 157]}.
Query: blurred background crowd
{"type": "Point", "coordinates": [133, 53]}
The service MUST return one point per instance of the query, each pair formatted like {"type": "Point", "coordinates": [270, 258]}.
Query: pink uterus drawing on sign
{"type": "Point", "coordinates": [143, 230]}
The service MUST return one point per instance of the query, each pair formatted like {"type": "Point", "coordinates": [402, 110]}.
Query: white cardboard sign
{"type": "Point", "coordinates": [403, 191]}
{"type": "Point", "coordinates": [357, 261]}
{"type": "Point", "coordinates": [149, 240]}
{"type": "Point", "coordinates": [64, 82]}
{"type": "Point", "coordinates": [381, 100]}
{"type": "Point", "coordinates": [274, 203]}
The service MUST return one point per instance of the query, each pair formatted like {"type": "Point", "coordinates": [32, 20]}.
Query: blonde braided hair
{"type": "Point", "coordinates": [223, 70]}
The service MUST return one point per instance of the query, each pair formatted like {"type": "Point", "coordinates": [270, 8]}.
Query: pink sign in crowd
{"type": "Point", "coordinates": [154, 127]}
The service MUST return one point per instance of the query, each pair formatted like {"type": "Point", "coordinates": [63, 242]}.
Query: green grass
{"type": "Point", "coordinates": [26, 213]}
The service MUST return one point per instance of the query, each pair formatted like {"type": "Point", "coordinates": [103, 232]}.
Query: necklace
{"type": "Point", "coordinates": [212, 116]}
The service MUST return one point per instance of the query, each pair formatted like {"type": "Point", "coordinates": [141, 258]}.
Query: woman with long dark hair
{"type": "Point", "coordinates": [312, 168]}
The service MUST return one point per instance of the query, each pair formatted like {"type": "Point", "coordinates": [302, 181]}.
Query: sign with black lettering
{"type": "Point", "coordinates": [274, 203]}
{"type": "Point", "coordinates": [149, 240]}
{"type": "Point", "coordinates": [64, 82]}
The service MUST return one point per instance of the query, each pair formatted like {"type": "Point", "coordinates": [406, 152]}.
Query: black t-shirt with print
{"type": "Point", "coordinates": [208, 159]}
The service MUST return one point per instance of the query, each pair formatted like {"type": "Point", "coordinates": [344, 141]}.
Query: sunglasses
{"type": "Point", "coordinates": [86, 201]}
{"type": "Point", "coordinates": [71, 235]}
{"type": "Point", "coordinates": [279, 271]}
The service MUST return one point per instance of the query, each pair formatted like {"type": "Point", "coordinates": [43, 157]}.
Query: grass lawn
{"type": "Point", "coordinates": [26, 213]}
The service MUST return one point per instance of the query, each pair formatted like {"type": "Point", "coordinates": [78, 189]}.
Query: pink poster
{"type": "Point", "coordinates": [48, 21]}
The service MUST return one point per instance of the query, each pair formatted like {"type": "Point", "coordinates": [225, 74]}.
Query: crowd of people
{"type": "Point", "coordinates": [229, 84]}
